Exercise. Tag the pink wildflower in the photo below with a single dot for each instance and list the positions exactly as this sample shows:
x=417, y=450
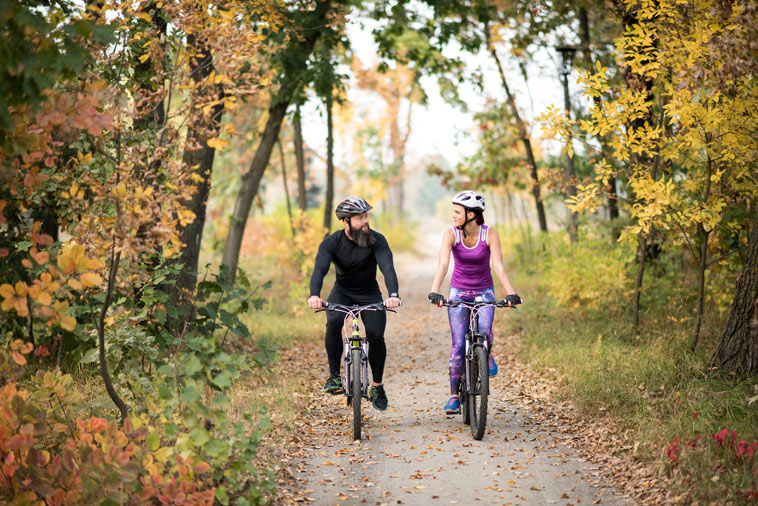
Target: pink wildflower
x=720, y=437
x=741, y=446
x=673, y=450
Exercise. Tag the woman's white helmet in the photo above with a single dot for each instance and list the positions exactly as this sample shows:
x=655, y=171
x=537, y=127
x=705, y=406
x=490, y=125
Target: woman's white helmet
x=470, y=200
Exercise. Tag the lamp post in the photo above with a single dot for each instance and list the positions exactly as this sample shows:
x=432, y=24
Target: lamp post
x=567, y=57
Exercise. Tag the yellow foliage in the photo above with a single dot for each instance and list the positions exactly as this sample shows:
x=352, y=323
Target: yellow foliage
x=589, y=273
x=217, y=143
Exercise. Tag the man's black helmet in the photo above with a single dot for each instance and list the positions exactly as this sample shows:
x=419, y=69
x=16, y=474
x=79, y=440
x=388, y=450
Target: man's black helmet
x=352, y=206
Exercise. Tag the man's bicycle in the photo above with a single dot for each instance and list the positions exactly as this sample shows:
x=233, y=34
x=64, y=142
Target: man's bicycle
x=474, y=388
x=355, y=355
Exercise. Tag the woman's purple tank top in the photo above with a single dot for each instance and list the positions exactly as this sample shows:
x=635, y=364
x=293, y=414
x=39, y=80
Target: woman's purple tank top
x=471, y=270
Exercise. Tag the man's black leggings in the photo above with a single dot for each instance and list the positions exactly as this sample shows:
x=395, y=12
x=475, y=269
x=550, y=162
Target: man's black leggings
x=373, y=322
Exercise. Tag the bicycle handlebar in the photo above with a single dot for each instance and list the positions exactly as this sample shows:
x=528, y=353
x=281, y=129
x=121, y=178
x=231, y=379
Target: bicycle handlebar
x=356, y=308
x=456, y=303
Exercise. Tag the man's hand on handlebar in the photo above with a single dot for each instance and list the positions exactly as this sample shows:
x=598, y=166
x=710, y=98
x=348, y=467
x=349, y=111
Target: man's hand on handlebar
x=315, y=302
x=393, y=302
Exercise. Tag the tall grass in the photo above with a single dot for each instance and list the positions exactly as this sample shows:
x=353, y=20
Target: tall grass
x=665, y=397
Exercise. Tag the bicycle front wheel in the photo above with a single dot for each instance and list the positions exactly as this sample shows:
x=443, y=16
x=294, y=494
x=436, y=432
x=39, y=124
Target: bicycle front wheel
x=356, y=391
x=463, y=397
x=480, y=387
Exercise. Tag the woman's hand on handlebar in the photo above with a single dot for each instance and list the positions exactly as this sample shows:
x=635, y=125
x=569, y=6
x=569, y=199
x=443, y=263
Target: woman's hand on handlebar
x=315, y=302
x=513, y=299
x=436, y=298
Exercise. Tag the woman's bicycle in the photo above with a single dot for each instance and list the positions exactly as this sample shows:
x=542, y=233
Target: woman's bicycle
x=355, y=356
x=474, y=388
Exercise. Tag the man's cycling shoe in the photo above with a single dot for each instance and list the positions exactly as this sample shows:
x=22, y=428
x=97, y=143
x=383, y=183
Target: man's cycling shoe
x=333, y=385
x=453, y=406
x=492, y=366
x=378, y=397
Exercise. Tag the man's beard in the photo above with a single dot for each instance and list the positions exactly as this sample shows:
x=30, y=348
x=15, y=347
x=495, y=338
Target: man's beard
x=363, y=237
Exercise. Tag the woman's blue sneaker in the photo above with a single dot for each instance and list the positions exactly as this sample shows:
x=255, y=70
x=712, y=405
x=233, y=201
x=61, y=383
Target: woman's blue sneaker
x=493, y=366
x=453, y=406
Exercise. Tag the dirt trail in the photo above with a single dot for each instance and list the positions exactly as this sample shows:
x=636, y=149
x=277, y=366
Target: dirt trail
x=413, y=454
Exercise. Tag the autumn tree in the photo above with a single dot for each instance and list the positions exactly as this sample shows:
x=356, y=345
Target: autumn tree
x=697, y=156
x=397, y=87
x=300, y=32
x=470, y=25
x=738, y=346
x=222, y=54
x=102, y=142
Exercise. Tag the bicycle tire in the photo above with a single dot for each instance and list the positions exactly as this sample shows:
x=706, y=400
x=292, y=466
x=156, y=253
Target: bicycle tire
x=479, y=392
x=356, y=391
x=463, y=397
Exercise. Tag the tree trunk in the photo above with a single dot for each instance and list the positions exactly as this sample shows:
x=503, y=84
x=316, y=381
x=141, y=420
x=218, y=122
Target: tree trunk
x=642, y=161
x=702, y=266
x=396, y=190
x=704, y=234
x=523, y=134
x=329, y=200
x=286, y=189
x=738, y=348
x=198, y=159
x=570, y=175
x=584, y=35
x=251, y=180
x=302, y=200
x=642, y=256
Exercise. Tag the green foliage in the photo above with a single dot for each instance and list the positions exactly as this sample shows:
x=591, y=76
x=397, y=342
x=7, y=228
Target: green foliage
x=400, y=238
x=193, y=384
x=648, y=382
x=591, y=273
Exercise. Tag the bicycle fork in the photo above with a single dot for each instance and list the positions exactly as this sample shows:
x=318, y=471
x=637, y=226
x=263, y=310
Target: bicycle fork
x=478, y=340
x=355, y=342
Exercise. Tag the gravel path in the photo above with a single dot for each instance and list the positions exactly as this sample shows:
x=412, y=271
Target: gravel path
x=413, y=454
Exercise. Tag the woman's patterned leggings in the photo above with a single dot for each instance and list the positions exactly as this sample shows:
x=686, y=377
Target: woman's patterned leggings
x=459, y=317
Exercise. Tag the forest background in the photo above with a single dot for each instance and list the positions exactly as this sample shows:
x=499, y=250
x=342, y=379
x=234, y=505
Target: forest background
x=160, y=211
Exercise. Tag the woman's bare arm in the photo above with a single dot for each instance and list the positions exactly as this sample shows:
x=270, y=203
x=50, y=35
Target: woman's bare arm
x=443, y=259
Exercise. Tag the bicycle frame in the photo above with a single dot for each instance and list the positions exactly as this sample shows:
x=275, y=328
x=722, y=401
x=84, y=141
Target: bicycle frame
x=355, y=348
x=353, y=342
x=474, y=339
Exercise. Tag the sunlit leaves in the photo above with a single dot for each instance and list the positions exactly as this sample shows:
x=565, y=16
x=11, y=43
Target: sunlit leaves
x=683, y=144
x=18, y=349
x=14, y=297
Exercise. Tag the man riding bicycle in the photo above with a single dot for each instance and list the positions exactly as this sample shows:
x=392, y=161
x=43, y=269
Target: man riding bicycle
x=355, y=252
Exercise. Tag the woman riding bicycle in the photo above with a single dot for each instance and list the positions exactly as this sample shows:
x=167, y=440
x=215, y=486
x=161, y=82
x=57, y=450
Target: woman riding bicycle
x=472, y=244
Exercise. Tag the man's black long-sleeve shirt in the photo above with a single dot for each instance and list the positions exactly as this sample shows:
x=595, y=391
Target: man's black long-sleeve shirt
x=355, y=266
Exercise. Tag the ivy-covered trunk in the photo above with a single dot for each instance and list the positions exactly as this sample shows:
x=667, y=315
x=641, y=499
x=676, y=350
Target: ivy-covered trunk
x=198, y=159
x=738, y=347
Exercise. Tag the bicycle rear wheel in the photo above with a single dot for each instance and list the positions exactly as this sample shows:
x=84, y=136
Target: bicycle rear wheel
x=356, y=391
x=480, y=386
